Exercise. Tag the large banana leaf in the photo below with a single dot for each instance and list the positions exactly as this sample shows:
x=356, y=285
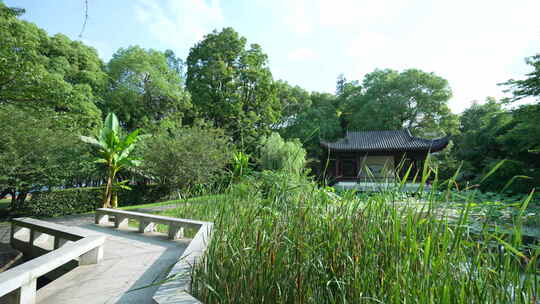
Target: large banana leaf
x=111, y=123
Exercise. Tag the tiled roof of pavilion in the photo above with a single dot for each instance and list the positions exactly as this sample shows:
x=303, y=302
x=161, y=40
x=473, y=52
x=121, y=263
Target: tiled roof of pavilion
x=398, y=140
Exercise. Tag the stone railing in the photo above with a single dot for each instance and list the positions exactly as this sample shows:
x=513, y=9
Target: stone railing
x=177, y=288
x=18, y=285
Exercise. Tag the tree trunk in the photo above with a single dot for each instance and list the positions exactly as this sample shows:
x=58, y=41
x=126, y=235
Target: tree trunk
x=114, y=201
x=17, y=201
x=107, y=193
x=13, y=203
x=21, y=198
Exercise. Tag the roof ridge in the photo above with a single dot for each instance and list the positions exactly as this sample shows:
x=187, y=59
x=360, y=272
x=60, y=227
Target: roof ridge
x=375, y=140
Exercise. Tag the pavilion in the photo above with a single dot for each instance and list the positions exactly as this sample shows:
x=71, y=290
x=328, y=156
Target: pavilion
x=376, y=155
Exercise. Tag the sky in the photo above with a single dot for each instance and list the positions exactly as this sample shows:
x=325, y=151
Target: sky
x=474, y=44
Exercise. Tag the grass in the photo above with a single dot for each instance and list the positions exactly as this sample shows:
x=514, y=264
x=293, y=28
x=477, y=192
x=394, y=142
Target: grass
x=4, y=203
x=283, y=240
x=151, y=205
x=172, y=202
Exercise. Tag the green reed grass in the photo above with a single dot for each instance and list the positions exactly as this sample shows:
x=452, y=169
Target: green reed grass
x=279, y=239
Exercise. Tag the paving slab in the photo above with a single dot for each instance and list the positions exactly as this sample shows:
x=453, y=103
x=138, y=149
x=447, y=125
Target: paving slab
x=131, y=261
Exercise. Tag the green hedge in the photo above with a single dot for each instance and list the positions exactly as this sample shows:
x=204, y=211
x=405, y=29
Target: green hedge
x=81, y=200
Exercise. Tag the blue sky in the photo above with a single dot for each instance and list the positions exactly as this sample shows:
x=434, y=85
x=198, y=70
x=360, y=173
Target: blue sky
x=474, y=44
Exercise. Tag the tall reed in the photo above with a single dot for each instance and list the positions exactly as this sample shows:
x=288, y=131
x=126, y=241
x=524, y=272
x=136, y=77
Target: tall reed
x=281, y=239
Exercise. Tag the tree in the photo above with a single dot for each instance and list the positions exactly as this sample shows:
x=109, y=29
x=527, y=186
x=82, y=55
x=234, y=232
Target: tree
x=44, y=72
x=145, y=87
x=187, y=157
x=293, y=99
x=115, y=152
x=530, y=86
x=489, y=135
x=319, y=121
x=232, y=86
x=36, y=152
x=390, y=100
x=476, y=145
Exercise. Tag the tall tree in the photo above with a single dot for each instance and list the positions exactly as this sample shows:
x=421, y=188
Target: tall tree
x=145, y=87
x=40, y=71
x=389, y=99
x=232, y=86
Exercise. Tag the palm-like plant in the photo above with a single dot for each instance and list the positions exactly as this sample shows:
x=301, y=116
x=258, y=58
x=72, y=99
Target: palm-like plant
x=114, y=151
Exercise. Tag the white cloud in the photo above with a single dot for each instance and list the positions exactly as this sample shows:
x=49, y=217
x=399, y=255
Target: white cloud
x=297, y=17
x=473, y=47
x=356, y=13
x=303, y=54
x=179, y=23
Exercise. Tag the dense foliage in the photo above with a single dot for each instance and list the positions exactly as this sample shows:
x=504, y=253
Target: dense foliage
x=87, y=199
x=52, y=72
x=277, y=154
x=232, y=86
x=46, y=156
x=492, y=134
x=64, y=202
x=144, y=88
x=188, y=157
x=391, y=100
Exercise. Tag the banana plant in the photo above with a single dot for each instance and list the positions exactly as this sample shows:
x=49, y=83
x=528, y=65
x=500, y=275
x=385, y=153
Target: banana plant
x=114, y=152
x=240, y=166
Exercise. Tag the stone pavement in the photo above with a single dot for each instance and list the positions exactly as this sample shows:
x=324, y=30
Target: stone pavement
x=131, y=261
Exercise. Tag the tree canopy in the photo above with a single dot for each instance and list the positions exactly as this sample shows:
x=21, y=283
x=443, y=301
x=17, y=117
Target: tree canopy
x=392, y=100
x=49, y=72
x=145, y=87
x=36, y=151
x=232, y=86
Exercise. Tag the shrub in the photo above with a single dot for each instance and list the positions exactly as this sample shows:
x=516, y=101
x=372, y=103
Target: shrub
x=142, y=194
x=80, y=200
x=64, y=202
x=187, y=158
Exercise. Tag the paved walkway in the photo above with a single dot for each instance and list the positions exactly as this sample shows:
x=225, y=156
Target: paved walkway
x=131, y=261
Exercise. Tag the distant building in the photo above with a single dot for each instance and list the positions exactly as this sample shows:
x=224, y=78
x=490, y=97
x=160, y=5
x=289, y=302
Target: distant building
x=376, y=155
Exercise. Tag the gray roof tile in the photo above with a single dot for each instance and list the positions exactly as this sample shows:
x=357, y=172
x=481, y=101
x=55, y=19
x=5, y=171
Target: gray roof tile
x=399, y=140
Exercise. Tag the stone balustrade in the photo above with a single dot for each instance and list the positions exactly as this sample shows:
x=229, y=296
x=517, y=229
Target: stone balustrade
x=18, y=285
x=177, y=288
x=146, y=221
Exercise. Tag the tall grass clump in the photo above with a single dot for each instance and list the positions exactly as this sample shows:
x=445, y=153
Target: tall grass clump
x=278, y=238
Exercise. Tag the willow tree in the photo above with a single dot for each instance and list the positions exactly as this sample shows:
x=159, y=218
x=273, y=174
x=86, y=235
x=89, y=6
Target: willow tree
x=114, y=152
